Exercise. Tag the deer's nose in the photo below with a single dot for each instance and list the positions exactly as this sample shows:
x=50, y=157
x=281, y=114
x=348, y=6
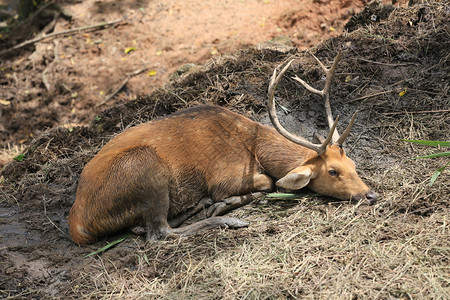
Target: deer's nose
x=371, y=197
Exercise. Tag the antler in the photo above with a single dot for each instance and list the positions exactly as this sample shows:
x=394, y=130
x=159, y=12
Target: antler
x=325, y=94
x=333, y=134
x=319, y=148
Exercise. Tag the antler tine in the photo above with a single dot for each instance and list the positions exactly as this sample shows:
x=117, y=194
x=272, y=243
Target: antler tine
x=325, y=92
x=275, y=79
x=345, y=134
x=308, y=87
x=325, y=69
x=324, y=145
x=329, y=73
x=273, y=114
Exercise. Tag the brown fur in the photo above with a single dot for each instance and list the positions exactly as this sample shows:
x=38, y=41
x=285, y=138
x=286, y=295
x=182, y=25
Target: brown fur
x=154, y=171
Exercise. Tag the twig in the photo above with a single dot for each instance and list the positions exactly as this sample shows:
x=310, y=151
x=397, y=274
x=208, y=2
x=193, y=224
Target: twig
x=35, y=40
x=178, y=96
x=381, y=63
x=416, y=112
x=364, y=84
x=124, y=82
x=370, y=96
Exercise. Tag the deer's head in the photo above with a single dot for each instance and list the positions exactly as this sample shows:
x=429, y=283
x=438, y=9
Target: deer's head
x=328, y=171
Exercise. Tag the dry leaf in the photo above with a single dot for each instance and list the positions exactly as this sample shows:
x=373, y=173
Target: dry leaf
x=129, y=49
x=5, y=102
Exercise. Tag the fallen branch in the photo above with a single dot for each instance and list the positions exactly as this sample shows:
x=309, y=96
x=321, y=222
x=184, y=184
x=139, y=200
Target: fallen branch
x=79, y=29
x=124, y=82
x=417, y=112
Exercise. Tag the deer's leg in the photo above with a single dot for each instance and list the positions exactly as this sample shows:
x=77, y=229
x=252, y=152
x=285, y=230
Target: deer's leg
x=257, y=183
x=222, y=207
x=155, y=209
x=202, y=205
x=158, y=228
x=209, y=223
x=251, y=183
x=216, y=209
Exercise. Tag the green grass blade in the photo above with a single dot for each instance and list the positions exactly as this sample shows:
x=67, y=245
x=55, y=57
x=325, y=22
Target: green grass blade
x=434, y=155
x=437, y=173
x=119, y=240
x=282, y=195
x=430, y=143
x=19, y=157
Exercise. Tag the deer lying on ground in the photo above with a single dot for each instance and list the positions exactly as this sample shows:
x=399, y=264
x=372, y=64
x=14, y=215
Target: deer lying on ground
x=160, y=173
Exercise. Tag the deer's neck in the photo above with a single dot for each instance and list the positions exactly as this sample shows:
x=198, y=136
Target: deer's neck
x=276, y=154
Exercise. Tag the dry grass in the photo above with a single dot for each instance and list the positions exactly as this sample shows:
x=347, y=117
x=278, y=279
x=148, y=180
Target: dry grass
x=321, y=251
x=308, y=248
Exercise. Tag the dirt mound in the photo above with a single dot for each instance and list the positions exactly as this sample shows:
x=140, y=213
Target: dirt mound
x=395, y=72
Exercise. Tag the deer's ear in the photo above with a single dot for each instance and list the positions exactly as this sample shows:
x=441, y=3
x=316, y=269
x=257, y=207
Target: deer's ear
x=296, y=179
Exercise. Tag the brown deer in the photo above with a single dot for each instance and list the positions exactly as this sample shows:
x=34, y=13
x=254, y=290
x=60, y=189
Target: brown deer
x=160, y=173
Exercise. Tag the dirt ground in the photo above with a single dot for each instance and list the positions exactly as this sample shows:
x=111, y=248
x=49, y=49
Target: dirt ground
x=395, y=71
x=69, y=79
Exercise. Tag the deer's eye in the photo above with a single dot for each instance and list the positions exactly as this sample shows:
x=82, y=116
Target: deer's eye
x=333, y=173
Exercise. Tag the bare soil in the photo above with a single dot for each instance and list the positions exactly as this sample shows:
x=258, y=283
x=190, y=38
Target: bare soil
x=395, y=71
x=70, y=79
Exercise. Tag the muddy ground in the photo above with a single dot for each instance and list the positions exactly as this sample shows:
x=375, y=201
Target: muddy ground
x=394, y=71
